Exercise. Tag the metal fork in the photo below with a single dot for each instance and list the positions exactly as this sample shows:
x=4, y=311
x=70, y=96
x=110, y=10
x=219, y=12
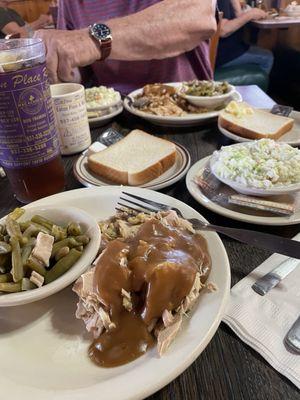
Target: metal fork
x=274, y=243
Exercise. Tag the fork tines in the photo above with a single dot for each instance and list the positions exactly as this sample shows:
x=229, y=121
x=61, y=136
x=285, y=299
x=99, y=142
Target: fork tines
x=141, y=206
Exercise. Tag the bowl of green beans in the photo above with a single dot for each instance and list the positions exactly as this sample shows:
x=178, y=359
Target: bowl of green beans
x=207, y=94
x=43, y=250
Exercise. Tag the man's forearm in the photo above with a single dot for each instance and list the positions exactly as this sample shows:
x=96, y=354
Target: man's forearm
x=165, y=29
x=230, y=26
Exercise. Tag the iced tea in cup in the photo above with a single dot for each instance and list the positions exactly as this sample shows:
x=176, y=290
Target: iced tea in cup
x=29, y=147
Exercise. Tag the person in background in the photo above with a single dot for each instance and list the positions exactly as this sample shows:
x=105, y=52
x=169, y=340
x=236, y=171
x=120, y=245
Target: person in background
x=152, y=41
x=11, y=23
x=232, y=50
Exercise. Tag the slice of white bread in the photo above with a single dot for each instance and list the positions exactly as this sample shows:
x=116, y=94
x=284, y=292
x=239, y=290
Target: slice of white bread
x=251, y=123
x=134, y=160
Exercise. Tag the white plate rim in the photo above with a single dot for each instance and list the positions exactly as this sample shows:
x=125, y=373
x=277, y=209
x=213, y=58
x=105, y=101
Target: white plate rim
x=187, y=359
x=196, y=193
x=177, y=176
x=166, y=119
x=105, y=117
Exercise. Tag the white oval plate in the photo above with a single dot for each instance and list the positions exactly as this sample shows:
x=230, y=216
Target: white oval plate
x=105, y=119
x=198, y=195
x=186, y=120
x=248, y=190
x=43, y=347
x=292, y=137
x=59, y=215
x=174, y=174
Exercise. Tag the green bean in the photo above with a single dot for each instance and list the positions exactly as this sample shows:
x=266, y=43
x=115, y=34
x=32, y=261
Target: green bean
x=25, y=253
x=35, y=265
x=10, y=287
x=30, y=231
x=5, y=278
x=16, y=260
x=69, y=242
x=74, y=229
x=32, y=228
x=41, y=228
x=59, y=245
x=24, y=225
x=62, y=253
x=2, y=230
x=5, y=248
x=79, y=248
x=62, y=266
x=58, y=232
x=5, y=261
x=26, y=284
x=16, y=213
x=13, y=228
x=6, y=238
x=46, y=223
x=83, y=239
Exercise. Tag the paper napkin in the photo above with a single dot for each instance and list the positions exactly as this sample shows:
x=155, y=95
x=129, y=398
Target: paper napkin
x=263, y=321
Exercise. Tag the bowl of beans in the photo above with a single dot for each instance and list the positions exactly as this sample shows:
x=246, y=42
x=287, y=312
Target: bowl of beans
x=43, y=250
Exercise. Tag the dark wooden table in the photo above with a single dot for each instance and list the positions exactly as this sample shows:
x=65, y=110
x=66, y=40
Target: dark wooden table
x=227, y=369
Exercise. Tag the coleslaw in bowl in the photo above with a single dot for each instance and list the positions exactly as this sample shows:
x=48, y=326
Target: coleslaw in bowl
x=261, y=168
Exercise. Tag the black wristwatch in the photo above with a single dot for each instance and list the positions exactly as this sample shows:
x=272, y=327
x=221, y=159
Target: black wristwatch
x=102, y=35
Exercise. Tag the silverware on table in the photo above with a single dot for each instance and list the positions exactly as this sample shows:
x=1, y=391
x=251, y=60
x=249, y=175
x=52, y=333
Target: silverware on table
x=281, y=110
x=271, y=279
x=210, y=187
x=292, y=338
x=106, y=138
x=274, y=243
x=109, y=137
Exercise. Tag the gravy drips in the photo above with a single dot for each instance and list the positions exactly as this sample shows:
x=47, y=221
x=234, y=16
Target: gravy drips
x=158, y=267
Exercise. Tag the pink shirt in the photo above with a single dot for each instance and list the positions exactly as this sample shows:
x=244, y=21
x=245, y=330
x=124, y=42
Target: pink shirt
x=126, y=76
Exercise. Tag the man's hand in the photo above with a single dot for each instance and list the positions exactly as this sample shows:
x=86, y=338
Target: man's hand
x=257, y=14
x=67, y=50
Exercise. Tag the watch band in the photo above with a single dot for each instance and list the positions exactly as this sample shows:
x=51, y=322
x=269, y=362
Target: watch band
x=105, y=47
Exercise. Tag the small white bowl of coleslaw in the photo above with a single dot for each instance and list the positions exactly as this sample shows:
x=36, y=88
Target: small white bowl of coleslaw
x=101, y=98
x=259, y=168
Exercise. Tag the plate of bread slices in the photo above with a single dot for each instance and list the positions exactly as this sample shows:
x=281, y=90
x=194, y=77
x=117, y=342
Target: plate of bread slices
x=243, y=123
x=139, y=159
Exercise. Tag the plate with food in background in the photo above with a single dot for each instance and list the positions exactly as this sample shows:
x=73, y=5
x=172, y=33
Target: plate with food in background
x=243, y=123
x=47, y=333
x=140, y=159
x=102, y=104
x=166, y=105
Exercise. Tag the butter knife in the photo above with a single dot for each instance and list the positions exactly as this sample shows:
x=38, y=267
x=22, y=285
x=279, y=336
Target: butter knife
x=270, y=280
x=292, y=338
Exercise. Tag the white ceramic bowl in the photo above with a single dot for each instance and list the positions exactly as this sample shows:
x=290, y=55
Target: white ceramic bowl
x=60, y=215
x=249, y=190
x=210, y=101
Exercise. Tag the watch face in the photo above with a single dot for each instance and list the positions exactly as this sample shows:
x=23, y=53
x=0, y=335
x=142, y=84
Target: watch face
x=101, y=31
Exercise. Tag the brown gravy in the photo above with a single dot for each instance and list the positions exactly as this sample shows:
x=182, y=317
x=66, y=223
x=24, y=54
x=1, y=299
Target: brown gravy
x=158, y=267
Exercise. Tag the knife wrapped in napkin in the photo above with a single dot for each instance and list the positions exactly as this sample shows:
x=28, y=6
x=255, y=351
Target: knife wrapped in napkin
x=148, y=276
